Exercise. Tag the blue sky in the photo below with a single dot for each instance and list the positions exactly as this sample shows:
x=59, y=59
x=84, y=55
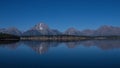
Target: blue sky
x=59, y=14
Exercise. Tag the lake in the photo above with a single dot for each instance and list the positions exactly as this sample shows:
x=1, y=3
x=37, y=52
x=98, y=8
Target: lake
x=85, y=54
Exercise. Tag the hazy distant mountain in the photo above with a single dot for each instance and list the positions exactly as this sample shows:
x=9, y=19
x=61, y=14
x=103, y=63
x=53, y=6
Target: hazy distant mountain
x=55, y=32
x=72, y=31
x=107, y=30
x=102, y=31
x=11, y=30
x=41, y=29
x=88, y=32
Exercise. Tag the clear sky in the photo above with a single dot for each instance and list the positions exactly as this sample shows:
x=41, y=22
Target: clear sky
x=59, y=14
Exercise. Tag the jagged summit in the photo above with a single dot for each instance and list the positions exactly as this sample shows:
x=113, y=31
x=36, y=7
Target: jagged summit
x=40, y=26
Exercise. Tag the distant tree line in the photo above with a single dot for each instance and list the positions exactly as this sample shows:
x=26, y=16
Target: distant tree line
x=4, y=36
x=56, y=37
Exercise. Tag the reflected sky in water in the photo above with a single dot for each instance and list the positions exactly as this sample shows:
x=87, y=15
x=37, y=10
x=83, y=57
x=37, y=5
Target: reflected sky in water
x=36, y=54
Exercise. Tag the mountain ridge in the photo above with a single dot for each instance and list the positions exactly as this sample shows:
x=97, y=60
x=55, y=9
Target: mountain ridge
x=44, y=29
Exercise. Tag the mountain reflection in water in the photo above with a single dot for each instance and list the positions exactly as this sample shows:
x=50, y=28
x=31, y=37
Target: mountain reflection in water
x=43, y=47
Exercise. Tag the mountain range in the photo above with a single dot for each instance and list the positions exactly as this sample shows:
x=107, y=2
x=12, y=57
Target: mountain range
x=44, y=29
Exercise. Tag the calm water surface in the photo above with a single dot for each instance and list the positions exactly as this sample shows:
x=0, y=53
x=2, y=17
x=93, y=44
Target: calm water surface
x=85, y=54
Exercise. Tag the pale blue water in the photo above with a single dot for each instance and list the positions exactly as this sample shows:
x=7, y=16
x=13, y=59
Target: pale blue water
x=85, y=54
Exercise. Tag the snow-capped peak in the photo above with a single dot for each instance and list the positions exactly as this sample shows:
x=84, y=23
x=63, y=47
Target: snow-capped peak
x=40, y=26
